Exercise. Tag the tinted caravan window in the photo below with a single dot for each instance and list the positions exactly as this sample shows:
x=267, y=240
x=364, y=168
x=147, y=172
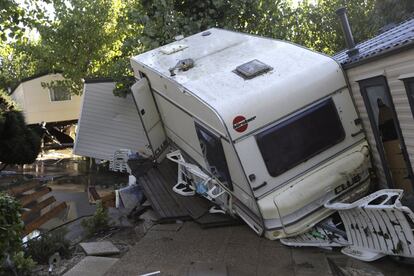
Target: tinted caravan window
x=409, y=87
x=299, y=138
x=214, y=155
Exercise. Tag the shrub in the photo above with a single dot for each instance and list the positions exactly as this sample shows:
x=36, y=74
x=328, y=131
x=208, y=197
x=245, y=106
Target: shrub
x=40, y=249
x=99, y=221
x=18, y=143
x=11, y=250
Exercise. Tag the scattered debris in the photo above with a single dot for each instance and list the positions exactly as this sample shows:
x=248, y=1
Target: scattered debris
x=130, y=196
x=182, y=65
x=167, y=227
x=102, y=248
x=151, y=273
x=157, y=186
x=346, y=270
x=54, y=262
x=324, y=235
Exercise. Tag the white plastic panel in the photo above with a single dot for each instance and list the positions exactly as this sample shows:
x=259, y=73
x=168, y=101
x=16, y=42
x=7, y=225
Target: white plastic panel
x=150, y=117
x=108, y=123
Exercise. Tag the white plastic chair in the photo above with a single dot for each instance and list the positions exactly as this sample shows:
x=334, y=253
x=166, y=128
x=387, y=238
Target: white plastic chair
x=377, y=225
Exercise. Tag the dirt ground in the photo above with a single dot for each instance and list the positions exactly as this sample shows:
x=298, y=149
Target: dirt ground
x=240, y=251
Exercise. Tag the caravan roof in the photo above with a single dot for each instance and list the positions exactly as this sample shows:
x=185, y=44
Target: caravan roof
x=296, y=77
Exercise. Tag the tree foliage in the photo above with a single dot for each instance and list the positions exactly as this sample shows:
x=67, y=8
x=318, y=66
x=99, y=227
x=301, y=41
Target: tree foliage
x=10, y=17
x=316, y=26
x=86, y=38
x=18, y=143
x=393, y=11
x=12, y=258
x=83, y=39
x=165, y=19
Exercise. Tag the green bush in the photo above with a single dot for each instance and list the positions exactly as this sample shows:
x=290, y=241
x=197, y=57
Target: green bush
x=99, y=222
x=18, y=143
x=12, y=257
x=40, y=249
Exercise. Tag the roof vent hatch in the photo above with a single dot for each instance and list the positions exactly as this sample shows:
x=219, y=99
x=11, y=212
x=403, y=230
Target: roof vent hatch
x=252, y=69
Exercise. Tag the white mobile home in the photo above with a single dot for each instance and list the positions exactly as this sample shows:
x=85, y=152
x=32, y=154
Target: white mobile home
x=381, y=76
x=48, y=105
x=107, y=122
x=272, y=123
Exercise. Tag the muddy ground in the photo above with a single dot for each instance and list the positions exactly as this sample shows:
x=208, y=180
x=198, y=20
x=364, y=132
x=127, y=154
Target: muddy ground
x=178, y=251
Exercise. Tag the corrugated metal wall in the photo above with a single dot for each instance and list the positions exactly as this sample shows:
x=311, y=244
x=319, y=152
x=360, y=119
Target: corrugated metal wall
x=107, y=123
x=392, y=67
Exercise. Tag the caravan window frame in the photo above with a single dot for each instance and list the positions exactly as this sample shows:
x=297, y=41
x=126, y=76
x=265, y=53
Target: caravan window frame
x=409, y=89
x=382, y=81
x=202, y=132
x=267, y=138
x=59, y=89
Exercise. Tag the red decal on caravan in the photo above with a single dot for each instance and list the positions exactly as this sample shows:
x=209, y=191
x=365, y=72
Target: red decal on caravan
x=240, y=123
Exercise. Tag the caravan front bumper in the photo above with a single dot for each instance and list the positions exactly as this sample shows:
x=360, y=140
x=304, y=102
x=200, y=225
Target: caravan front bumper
x=298, y=206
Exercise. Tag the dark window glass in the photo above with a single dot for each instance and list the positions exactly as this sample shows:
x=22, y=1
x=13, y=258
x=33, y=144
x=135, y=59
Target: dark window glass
x=214, y=155
x=409, y=87
x=299, y=138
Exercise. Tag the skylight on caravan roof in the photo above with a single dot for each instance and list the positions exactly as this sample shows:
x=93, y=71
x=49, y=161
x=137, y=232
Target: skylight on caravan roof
x=252, y=69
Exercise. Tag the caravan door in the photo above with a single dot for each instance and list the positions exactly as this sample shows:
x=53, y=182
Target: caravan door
x=149, y=116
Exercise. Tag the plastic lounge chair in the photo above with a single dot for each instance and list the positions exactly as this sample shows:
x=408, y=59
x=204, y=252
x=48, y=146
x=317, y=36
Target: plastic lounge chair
x=191, y=179
x=119, y=161
x=377, y=225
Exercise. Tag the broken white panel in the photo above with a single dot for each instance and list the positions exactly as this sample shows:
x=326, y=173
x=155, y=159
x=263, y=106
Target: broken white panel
x=377, y=225
x=108, y=123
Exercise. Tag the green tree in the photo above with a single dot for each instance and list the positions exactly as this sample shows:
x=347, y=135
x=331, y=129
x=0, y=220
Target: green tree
x=11, y=15
x=18, y=143
x=82, y=39
x=88, y=38
x=165, y=19
x=19, y=60
x=393, y=11
x=316, y=26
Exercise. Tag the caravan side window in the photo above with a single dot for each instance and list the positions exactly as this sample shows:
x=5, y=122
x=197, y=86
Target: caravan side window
x=409, y=87
x=59, y=93
x=301, y=137
x=214, y=155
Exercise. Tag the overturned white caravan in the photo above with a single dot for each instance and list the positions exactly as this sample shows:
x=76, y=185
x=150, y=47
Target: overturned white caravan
x=272, y=123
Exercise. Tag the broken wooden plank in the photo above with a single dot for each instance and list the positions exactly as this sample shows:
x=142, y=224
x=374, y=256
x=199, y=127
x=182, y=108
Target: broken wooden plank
x=108, y=200
x=93, y=194
x=38, y=207
x=35, y=224
x=15, y=191
x=26, y=199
